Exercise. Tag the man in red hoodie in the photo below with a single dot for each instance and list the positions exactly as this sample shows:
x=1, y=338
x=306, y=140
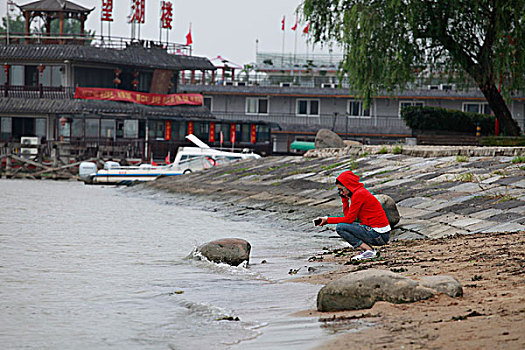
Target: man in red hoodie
x=373, y=228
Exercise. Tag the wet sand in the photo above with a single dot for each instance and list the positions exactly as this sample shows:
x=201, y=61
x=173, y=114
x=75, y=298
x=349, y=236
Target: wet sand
x=491, y=313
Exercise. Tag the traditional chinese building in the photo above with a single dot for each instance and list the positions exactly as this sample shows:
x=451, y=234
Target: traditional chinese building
x=112, y=96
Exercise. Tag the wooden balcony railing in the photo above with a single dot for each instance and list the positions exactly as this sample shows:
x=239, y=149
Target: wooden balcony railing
x=37, y=91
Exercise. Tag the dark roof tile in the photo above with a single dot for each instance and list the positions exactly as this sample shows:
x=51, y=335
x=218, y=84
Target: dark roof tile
x=53, y=5
x=155, y=58
x=76, y=106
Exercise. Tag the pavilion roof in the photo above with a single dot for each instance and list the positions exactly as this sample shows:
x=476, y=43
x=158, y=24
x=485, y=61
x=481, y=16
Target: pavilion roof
x=53, y=6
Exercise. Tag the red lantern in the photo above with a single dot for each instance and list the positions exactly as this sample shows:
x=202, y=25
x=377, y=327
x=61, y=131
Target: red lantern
x=6, y=68
x=41, y=68
x=135, y=84
x=116, y=81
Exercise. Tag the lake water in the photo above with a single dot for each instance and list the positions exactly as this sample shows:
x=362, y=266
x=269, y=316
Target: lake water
x=90, y=267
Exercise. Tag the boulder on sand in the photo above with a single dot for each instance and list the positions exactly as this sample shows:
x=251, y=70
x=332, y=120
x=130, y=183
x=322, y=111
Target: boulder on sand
x=231, y=251
x=328, y=139
x=443, y=284
x=390, y=208
x=361, y=289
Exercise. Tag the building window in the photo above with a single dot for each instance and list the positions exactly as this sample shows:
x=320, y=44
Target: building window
x=208, y=102
x=92, y=127
x=308, y=107
x=6, y=126
x=482, y=108
x=404, y=104
x=256, y=105
x=131, y=129
x=356, y=110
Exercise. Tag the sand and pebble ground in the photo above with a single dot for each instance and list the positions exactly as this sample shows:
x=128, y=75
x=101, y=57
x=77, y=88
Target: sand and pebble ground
x=462, y=215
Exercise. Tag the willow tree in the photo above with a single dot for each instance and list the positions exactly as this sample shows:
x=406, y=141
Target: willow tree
x=388, y=43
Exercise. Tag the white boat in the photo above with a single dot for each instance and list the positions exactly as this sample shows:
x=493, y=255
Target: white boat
x=187, y=160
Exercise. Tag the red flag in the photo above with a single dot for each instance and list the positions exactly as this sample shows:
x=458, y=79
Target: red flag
x=168, y=158
x=282, y=23
x=295, y=26
x=153, y=163
x=307, y=28
x=189, y=40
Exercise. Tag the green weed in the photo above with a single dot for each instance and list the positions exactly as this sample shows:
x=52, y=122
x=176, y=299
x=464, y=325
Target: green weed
x=466, y=177
x=383, y=150
x=397, y=149
x=518, y=159
x=462, y=159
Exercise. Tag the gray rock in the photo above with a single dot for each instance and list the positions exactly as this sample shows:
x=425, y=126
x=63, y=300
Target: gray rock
x=390, y=208
x=443, y=284
x=232, y=251
x=360, y=290
x=328, y=139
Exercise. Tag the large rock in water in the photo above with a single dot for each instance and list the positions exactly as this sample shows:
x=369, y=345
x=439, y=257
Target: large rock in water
x=328, y=139
x=390, y=208
x=231, y=251
x=360, y=290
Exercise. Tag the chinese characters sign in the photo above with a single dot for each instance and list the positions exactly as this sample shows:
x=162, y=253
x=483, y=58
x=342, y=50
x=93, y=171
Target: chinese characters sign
x=107, y=11
x=167, y=15
x=138, y=11
x=138, y=97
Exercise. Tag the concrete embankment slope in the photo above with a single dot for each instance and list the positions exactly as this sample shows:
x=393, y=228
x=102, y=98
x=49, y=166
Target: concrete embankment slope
x=439, y=191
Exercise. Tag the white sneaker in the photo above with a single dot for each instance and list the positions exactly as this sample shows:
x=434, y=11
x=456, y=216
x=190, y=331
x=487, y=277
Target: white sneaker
x=366, y=255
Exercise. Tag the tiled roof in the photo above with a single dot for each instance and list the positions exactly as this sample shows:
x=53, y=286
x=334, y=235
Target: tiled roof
x=131, y=56
x=76, y=106
x=53, y=5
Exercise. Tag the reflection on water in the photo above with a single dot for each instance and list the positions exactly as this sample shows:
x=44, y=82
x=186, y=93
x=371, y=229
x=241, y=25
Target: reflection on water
x=92, y=267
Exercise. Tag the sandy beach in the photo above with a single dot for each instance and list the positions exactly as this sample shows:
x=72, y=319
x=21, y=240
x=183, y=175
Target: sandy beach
x=490, y=314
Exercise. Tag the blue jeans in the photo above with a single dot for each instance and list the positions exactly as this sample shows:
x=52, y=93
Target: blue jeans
x=357, y=234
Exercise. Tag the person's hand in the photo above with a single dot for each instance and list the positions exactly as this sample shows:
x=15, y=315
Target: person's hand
x=323, y=220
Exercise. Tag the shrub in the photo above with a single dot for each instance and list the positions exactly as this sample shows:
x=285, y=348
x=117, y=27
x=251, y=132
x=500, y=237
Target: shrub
x=431, y=118
x=383, y=150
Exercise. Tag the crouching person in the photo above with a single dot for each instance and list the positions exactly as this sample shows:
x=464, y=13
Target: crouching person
x=373, y=228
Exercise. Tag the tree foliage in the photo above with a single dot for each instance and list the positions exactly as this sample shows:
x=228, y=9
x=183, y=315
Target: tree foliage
x=388, y=43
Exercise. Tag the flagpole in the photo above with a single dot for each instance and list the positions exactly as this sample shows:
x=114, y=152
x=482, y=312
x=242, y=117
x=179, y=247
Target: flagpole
x=7, y=22
x=284, y=31
x=295, y=46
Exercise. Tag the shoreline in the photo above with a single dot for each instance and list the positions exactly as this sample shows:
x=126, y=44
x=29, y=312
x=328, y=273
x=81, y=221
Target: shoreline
x=440, y=207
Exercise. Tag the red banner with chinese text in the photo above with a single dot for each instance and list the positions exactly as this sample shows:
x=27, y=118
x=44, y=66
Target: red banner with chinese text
x=142, y=98
x=253, y=133
x=190, y=128
x=211, y=139
x=138, y=11
x=107, y=11
x=167, y=134
x=167, y=15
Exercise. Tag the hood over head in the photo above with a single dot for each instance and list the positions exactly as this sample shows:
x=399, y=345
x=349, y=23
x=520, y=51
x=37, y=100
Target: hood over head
x=350, y=180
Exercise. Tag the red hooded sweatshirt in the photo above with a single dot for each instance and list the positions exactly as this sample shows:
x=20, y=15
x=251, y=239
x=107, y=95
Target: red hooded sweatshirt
x=364, y=205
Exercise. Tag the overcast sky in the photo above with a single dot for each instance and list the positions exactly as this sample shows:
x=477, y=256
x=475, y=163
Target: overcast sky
x=228, y=28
